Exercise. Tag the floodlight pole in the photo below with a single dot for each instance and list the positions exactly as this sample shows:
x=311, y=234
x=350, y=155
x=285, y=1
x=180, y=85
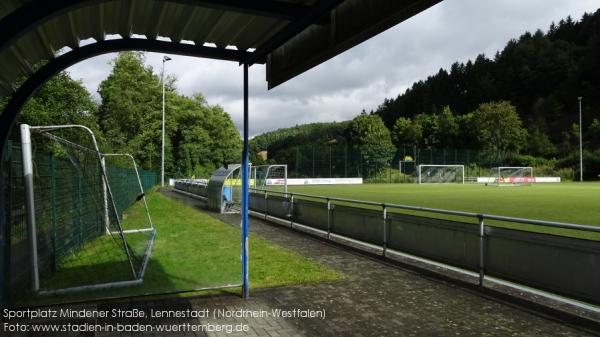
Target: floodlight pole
x=162, y=148
x=245, y=193
x=580, y=142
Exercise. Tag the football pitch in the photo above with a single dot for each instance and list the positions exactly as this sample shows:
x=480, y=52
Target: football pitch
x=564, y=202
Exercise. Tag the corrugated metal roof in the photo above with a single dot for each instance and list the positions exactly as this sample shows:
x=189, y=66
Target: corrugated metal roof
x=176, y=20
x=292, y=35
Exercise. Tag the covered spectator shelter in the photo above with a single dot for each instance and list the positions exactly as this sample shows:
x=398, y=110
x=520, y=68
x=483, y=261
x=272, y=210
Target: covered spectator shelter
x=219, y=192
x=39, y=38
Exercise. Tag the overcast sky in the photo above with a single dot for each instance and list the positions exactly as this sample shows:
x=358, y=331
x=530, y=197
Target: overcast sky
x=360, y=78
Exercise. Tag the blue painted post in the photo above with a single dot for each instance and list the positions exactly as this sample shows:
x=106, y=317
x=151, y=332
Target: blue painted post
x=245, y=193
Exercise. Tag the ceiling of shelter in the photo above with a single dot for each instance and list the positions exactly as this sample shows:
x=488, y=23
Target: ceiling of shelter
x=291, y=36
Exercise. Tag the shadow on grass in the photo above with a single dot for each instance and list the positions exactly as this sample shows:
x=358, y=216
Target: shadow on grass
x=192, y=250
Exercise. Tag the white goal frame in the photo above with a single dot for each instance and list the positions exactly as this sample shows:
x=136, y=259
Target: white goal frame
x=253, y=179
x=500, y=181
x=419, y=167
x=142, y=194
x=27, y=158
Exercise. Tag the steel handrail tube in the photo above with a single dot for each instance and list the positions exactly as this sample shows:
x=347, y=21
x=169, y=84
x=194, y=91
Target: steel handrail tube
x=476, y=216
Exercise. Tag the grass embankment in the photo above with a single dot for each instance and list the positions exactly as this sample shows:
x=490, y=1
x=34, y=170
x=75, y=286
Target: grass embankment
x=191, y=250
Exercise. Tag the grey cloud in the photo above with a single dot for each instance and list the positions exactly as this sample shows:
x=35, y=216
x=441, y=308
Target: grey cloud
x=454, y=30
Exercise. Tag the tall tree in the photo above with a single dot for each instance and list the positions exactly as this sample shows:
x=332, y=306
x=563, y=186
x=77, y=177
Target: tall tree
x=370, y=135
x=430, y=126
x=449, y=129
x=204, y=137
x=62, y=100
x=199, y=137
x=406, y=132
x=499, y=128
x=131, y=103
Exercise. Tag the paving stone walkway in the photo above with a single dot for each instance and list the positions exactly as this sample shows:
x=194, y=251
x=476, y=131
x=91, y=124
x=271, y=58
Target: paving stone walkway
x=374, y=299
x=379, y=299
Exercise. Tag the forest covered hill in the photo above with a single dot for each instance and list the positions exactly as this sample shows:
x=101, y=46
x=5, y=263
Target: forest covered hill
x=526, y=94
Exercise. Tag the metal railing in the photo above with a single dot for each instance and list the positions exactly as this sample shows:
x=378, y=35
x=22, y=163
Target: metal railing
x=437, y=210
x=490, y=248
x=564, y=266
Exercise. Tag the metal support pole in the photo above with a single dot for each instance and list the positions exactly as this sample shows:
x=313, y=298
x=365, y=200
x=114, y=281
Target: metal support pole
x=291, y=211
x=30, y=203
x=385, y=229
x=162, y=148
x=285, y=173
x=580, y=142
x=266, y=204
x=481, y=250
x=245, y=193
x=53, y=208
x=499, y=176
x=328, y=219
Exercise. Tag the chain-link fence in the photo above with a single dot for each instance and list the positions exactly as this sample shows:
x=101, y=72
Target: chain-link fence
x=61, y=194
x=343, y=160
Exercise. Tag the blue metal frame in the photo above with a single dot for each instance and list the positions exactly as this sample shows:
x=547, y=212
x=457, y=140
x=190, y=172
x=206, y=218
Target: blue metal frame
x=245, y=193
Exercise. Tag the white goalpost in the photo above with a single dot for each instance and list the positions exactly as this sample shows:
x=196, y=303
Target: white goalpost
x=441, y=174
x=134, y=182
x=75, y=199
x=511, y=176
x=265, y=176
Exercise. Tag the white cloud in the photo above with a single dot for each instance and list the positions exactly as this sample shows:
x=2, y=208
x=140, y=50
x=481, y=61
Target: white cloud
x=454, y=30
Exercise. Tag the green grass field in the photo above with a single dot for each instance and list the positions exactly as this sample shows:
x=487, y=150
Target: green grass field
x=191, y=250
x=565, y=202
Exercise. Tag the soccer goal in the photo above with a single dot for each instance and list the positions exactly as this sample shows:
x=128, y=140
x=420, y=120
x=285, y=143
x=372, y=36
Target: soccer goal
x=269, y=176
x=78, y=239
x=511, y=176
x=441, y=174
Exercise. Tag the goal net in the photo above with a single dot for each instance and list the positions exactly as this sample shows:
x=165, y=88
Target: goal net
x=441, y=174
x=269, y=177
x=511, y=176
x=75, y=199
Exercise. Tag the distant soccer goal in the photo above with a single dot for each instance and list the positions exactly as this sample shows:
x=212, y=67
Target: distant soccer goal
x=441, y=174
x=269, y=176
x=511, y=176
x=76, y=197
